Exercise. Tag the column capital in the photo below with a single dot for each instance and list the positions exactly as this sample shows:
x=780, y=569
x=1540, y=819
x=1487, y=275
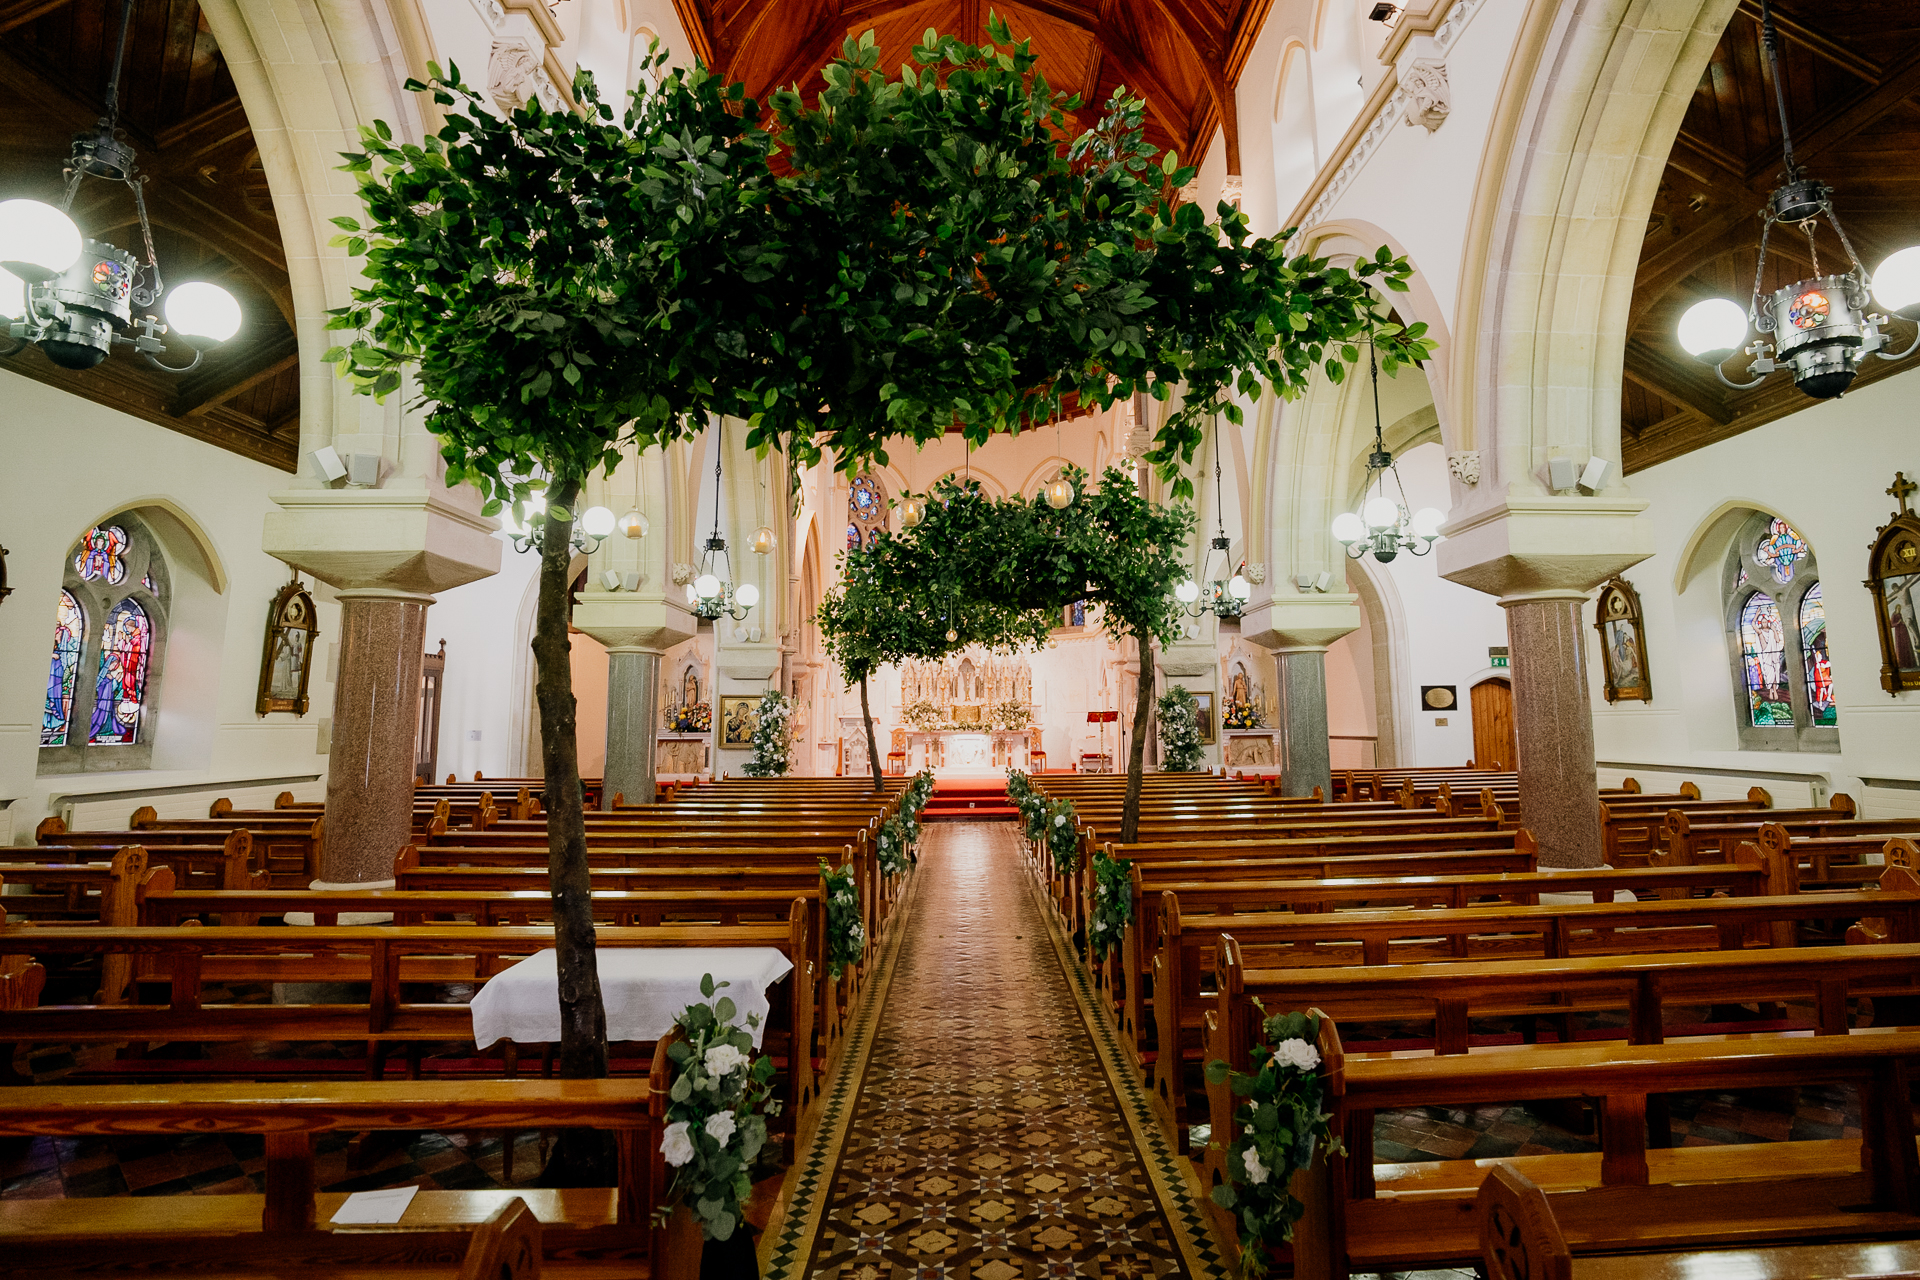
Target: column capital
x=1301, y=623
x=1544, y=548
x=633, y=622
x=417, y=540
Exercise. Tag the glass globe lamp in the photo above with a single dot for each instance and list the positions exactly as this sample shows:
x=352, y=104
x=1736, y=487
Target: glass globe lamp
x=952, y=635
x=912, y=512
x=1348, y=527
x=706, y=586
x=1239, y=588
x=747, y=594
x=634, y=525
x=1711, y=331
x=763, y=541
x=1896, y=285
x=1060, y=494
x=596, y=522
x=1426, y=523
x=204, y=314
x=1380, y=513
x=37, y=241
x=1187, y=592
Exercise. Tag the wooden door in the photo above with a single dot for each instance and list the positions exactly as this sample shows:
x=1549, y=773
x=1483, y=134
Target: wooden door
x=427, y=740
x=1493, y=739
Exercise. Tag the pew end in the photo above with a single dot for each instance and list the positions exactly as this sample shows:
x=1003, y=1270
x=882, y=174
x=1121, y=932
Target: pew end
x=1519, y=1236
x=506, y=1246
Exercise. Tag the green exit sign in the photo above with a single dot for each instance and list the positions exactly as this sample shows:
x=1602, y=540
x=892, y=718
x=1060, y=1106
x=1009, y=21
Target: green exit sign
x=1497, y=657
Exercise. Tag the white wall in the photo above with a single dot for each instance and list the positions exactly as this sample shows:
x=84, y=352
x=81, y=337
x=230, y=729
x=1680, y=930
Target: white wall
x=1824, y=470
x=71, y=462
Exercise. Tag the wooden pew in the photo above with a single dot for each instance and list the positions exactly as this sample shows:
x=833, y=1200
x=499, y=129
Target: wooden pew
x=1398, y=1217
x=1704, y=834
x=1633, y=827
x=1520, y=1239
x=505, y=1246
x=286, y=848
x=613, y=1223
x=385, y=958
x=199, y=866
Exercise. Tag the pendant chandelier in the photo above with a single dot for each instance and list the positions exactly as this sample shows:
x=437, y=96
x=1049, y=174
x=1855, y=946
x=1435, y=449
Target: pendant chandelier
x=75, y=297
x=1382, y=525
x=1223, y=598
x=712, y=593
x=1819, y=327
x=528, y=529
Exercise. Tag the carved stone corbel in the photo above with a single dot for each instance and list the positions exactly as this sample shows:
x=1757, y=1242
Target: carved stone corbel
x=1429, y=98
x=1465, y=466
x=510, y=74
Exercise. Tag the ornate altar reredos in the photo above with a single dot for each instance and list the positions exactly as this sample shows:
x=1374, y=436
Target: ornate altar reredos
x=966, y=689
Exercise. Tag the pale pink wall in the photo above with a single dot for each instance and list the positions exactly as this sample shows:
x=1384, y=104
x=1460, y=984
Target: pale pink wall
x=589, y=658
x=1350, y=708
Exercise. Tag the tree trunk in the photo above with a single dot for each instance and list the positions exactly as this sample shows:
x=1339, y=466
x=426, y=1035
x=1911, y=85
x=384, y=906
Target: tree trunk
x=873, y=747
x=1137, y=757
x=583, y=1018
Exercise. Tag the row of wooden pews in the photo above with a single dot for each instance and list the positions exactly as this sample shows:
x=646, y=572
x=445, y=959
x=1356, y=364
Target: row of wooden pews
x=1744, y=947
x=160, y=973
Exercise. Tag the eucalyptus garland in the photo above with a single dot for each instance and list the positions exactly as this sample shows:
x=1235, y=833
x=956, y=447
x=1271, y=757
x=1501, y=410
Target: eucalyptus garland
x=716, y=1112
x=1179, y=719
x=1063, y=836
x=1112, y=904
x=772, y=736
x=1275, y=1134
x=894, y=842
x=846, y=936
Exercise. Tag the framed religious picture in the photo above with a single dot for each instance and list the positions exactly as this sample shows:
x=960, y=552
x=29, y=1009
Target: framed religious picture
x=1893, y=575
x=1205, y=704
x=1623, y=643
x=738, y=719
x=287, y=661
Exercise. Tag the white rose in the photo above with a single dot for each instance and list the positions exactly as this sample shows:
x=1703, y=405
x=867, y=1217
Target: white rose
x=1256, y=1172
x=675, y=1145
x=720, y=1127
x=1060, y=820
x=1297, y=1053
x=724, y=1059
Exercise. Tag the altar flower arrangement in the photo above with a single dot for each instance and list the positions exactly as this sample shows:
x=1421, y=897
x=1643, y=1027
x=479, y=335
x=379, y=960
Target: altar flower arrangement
x=1275, y=1134
x=922, y=715
x=695, y=717
x=716, y=1113
x=1112, y=904
x=1179, y=719
x=846, y=935
x=1011, y=715
x=772, y=736
x=1241, y=714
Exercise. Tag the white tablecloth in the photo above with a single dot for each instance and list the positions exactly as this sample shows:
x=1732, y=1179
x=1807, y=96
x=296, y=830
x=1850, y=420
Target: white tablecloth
x=643, y=989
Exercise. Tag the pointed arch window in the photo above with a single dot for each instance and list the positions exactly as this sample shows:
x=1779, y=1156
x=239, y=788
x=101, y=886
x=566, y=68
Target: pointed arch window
x=1777, y=620
x=69, y=636
x=867, y=512
x=119, y=697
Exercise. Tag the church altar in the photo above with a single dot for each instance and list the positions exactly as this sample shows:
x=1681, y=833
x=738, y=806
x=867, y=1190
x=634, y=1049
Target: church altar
x=964, y=749
x=970, y=711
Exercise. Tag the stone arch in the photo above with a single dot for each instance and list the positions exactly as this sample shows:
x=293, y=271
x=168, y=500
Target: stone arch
x=1706, y=546
x=185, y=539
x=1588, y=113
x=1296, y=147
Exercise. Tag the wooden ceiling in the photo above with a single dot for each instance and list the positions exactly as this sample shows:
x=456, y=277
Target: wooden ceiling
x=1182, y=56
x=206, y=196
x=1851, y=71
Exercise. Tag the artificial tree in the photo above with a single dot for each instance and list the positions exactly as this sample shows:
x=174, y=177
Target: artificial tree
x=558, y=284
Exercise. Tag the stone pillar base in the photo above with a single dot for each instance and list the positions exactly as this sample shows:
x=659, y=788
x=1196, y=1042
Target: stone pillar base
x=376, y=712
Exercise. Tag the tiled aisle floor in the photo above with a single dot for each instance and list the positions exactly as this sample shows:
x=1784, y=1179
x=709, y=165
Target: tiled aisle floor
x=985, y=1142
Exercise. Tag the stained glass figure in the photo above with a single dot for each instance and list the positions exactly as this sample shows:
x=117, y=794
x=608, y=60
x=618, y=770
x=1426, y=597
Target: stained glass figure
x=1077, y=614
x=126, y=642
x=1781, y=549
x=1763, y=645
x=102, y=555
x=69, y=628
x=1813, y=650
x=853, y=537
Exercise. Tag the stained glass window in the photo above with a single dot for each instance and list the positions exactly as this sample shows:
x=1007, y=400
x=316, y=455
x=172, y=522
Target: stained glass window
x=1813, y=650
x=866, y=512
x=1763, y=646
x=1780, y=549
x=103, y=555
x=146, y=580
x=126, y=642
x=69, y=627
x=853, y=537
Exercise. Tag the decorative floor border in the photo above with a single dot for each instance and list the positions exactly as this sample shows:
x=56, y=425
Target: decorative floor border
x=786, y=1246
x=1174, y=1181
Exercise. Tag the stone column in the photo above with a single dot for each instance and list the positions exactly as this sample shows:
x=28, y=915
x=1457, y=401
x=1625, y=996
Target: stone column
x=376, y=719
x=633, y=714
x=1306, y=758
x=1553, y=727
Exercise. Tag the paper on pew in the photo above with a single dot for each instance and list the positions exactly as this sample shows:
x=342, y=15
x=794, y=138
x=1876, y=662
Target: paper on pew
x=365, y=1208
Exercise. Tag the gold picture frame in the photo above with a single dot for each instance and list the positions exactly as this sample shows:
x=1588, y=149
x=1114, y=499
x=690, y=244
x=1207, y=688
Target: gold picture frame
x=739, y=717
x=1623, y=642
x=1204, y=713
x=286, y=663
x=1893, y=576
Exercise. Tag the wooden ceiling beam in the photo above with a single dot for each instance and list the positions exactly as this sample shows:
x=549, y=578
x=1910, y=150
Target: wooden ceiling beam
x=18, y=13
x=237, y=372
x=1650, y=367
x=1832, y=50
x=1161, y=102
x=1902, y=81
x=693, y=15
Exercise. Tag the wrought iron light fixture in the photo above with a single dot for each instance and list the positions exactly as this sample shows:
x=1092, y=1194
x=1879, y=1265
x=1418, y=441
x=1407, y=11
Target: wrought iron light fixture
x=1382, y=525
x=1223, y=598
x=528, y=530
x=75, y=297
x=1819, y=327
x=712, y=594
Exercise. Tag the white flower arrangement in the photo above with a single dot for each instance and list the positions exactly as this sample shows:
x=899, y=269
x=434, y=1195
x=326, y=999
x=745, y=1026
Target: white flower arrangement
x=772, y=736
x=716, y=1112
